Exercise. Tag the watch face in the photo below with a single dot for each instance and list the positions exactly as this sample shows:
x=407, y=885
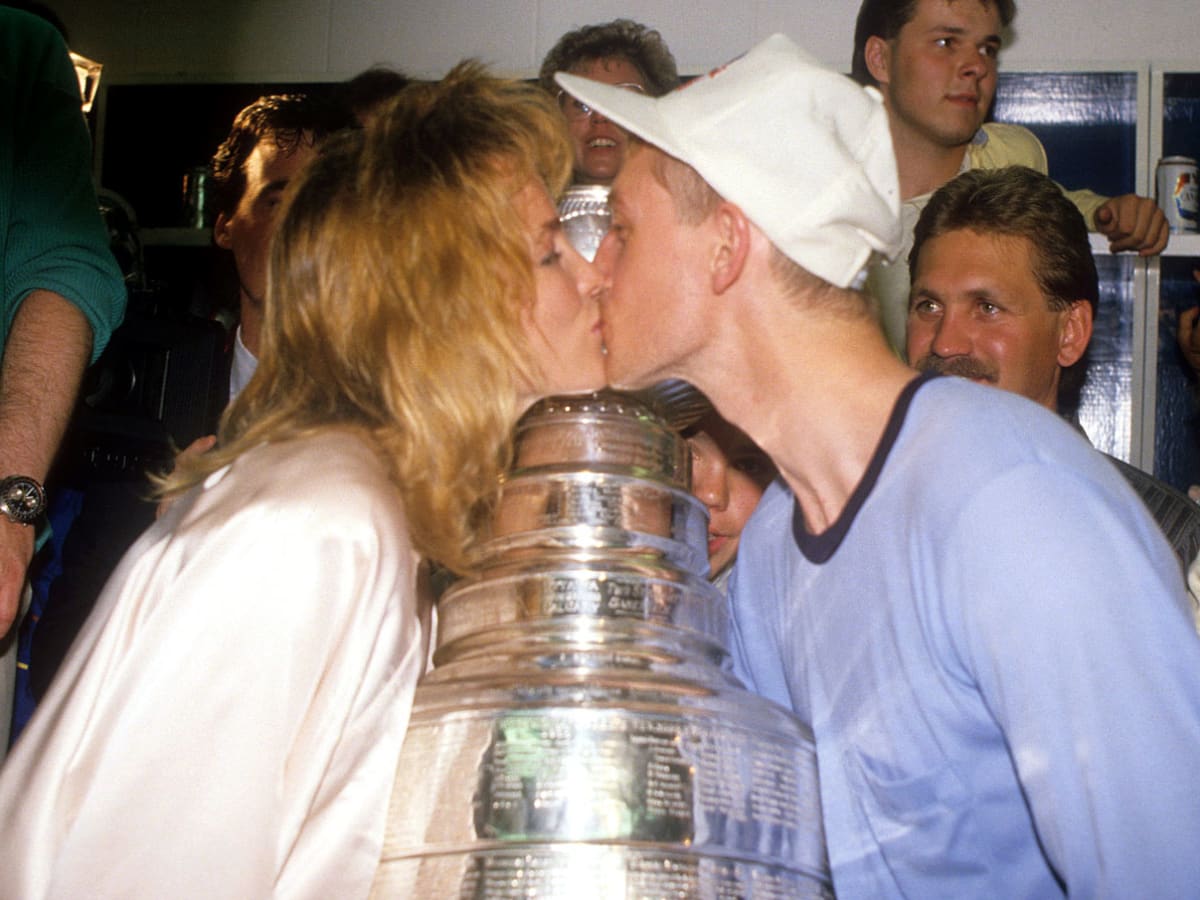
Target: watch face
x=22, y=499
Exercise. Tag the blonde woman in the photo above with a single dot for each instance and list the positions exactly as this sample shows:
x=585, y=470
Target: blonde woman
x=228, y=721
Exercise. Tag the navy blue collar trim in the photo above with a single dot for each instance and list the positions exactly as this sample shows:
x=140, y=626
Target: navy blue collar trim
x=819, y=548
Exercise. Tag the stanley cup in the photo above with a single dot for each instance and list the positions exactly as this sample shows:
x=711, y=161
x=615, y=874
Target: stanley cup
x=580, y=735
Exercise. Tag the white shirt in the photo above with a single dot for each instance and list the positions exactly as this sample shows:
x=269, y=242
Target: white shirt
x=242, y=367
x=228, y=722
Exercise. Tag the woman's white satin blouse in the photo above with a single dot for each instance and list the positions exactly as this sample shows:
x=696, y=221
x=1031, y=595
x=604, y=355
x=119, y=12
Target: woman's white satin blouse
x=228, y=722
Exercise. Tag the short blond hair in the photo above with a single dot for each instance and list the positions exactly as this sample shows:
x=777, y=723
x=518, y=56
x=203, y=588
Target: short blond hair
x=395, y=287
x=695, y=200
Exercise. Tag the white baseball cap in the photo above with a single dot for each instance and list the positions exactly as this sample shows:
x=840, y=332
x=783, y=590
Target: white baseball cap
x=803, y=150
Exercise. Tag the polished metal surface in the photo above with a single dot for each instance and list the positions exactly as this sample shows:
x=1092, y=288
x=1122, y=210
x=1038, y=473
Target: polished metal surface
x=676, y=401
x=594, y=589
x=597, y=511
x=604, y=431
x=580, y=734
x=585, y=215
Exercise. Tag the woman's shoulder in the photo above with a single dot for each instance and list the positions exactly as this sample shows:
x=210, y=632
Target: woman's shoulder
x=333, y=477
x=325, y=452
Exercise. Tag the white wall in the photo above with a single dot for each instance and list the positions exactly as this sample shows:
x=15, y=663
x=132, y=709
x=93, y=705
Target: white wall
x=243, y=40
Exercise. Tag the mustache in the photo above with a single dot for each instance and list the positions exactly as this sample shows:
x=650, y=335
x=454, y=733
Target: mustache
x=962, y=366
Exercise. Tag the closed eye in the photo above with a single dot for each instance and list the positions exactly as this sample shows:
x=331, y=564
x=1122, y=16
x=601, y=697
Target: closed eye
x=752, y=465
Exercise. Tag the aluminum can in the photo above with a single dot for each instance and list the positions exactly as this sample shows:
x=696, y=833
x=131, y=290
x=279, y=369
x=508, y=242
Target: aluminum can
x=1177, y=192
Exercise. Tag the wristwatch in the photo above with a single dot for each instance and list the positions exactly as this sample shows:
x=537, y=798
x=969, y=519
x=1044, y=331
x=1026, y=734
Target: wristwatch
x=22, y=499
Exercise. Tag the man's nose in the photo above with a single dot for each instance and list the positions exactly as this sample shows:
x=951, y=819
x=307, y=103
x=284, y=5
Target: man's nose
x=951, y=336
x=972, y=63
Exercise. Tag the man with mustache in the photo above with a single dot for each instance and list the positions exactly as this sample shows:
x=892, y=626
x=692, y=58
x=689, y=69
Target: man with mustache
x=935, y=62
x=1004, y=287
x=1004, y=292
x=979, y=619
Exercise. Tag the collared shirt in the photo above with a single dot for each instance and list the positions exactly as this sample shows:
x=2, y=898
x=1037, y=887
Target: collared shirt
x=243, y=365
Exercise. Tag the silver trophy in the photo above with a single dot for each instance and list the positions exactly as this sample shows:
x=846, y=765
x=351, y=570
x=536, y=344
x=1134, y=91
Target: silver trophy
x=586, y=216
x=580, y=735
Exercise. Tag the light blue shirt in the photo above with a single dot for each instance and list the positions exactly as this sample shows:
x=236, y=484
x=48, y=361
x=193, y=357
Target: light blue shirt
x=993, y=648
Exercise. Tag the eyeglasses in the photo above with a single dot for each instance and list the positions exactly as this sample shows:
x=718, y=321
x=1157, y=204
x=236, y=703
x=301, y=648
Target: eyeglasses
x=575, y=110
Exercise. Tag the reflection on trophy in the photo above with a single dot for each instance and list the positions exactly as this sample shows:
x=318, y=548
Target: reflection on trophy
x=585, y=216
x=580, y=735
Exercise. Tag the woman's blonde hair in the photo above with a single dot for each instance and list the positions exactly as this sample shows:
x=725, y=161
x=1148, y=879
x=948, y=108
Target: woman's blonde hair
x=396, y=283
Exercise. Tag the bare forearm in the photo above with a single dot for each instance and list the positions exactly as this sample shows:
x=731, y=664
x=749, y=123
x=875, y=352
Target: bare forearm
x=44, y=360
x=47, y=350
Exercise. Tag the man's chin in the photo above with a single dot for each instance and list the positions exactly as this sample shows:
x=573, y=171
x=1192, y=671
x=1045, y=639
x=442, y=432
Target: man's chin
x=630, y=382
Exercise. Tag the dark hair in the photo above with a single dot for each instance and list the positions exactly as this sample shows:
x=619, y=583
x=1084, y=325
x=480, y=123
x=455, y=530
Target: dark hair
x=285, y=119
x=399, y=272
x=643, y=47
x=367, y=90
x=1018, y=202
x=885, y=18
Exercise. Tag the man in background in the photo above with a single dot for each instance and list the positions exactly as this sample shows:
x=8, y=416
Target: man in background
x=63, y=292
x=270, y=141
x=621, y=52
x=935, y=62
x=1005, y=293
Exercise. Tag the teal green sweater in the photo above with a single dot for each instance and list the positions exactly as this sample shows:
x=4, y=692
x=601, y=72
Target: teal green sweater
x=51, y=234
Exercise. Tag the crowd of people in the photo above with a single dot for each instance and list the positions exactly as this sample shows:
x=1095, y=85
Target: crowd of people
x=983, y=620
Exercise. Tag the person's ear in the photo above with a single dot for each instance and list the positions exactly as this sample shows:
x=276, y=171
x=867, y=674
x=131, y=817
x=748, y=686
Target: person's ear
x=1075, y=333
x=222, y=232
x=732, y=246
x=878, y=56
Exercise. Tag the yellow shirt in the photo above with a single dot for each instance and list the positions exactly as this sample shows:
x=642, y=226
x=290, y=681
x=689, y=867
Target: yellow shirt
x=995, y=146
